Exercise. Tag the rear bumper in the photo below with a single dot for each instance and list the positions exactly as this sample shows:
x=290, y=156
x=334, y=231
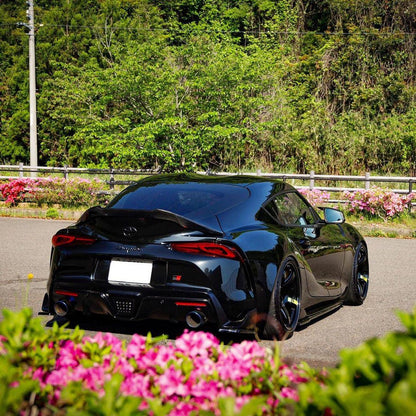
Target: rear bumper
x=169, y=304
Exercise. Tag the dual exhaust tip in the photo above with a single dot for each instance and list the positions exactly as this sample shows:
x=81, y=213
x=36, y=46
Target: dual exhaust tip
x=194, y=319
x=62, y=308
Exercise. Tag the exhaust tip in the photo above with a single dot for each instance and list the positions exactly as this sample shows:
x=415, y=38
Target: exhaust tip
x=195, y=319
x=62, y=308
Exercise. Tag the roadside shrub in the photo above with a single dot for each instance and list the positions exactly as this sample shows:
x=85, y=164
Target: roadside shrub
x=67, y=193
x=15, y=191
x=59, y=371
x=52, y=213
x=377, y=202
x=63, y=371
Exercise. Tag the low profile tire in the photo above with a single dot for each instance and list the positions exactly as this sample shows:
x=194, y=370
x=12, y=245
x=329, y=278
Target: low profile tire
x=358, y=288
x=284, y=309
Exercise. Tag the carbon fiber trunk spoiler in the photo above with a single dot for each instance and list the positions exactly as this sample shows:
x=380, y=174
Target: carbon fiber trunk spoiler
x=129, y=215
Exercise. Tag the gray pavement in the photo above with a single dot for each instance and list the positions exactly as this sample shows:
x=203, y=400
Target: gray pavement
x=25, y=248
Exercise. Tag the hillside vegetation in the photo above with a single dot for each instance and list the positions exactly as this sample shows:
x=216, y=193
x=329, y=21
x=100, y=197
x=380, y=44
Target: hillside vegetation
x=281, y=85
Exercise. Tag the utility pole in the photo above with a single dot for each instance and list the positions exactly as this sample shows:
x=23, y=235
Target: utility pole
x=32, y=89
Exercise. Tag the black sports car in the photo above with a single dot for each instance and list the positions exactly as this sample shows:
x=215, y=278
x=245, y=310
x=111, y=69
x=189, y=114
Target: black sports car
x=239, y=253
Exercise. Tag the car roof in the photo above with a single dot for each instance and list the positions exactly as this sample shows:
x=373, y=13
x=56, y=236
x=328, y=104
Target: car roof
x=248, y=181
x=242, y=210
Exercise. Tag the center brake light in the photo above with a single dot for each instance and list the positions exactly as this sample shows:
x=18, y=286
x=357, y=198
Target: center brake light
x=208, y=249
x=59, y=240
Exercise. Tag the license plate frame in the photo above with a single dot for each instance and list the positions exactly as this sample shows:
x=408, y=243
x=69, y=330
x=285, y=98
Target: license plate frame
x=130, y=272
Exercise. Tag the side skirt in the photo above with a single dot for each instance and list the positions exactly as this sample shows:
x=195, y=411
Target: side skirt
x=320, y=311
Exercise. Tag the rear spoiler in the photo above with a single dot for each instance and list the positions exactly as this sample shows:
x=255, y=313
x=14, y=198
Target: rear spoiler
x=159, y=214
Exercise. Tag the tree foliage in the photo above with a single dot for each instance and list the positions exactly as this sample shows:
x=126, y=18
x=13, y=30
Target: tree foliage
x=287, y=85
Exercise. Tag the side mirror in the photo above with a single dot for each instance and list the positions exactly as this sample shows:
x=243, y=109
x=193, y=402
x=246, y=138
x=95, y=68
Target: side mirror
x=333, y=216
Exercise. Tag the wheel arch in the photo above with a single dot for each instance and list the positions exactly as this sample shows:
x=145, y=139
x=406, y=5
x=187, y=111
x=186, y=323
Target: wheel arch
x=285, y=301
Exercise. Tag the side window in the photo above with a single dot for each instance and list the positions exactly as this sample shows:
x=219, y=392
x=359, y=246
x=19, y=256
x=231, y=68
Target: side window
x=290, y=209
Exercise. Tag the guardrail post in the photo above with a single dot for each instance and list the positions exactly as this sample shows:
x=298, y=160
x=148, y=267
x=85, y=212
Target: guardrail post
x=409, y=205
x=112, y=180
x=312, y=180
x=66, y=172
x=20, y=170
x=367, y=181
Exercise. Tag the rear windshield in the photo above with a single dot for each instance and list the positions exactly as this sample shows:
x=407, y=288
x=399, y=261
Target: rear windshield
x=191, y=200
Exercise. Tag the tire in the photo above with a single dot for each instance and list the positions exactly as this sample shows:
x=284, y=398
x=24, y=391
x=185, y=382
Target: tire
x=284, y=309
x=358, y=288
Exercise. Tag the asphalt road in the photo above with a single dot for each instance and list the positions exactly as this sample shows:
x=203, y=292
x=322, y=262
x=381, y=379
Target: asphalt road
x=25, y=248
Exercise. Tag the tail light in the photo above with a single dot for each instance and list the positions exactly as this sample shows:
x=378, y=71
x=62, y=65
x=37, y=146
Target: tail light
x=208, y=249
x=59, y=240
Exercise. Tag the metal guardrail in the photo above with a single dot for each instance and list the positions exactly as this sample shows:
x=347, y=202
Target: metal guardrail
x=311, y=178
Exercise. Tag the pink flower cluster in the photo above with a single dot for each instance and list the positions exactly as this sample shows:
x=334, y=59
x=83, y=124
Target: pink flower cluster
x=376, y=201
x=49, y=190
x=315, y=196
x=191, y=374
x=15, y=190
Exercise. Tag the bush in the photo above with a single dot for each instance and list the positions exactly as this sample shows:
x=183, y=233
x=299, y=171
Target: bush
x=378, y=202
x=70, y=193
x=62, y=371
x=52, y=213
x=15, y=191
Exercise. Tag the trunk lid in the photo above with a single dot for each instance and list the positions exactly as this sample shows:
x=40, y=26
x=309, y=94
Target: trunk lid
x=139, y=226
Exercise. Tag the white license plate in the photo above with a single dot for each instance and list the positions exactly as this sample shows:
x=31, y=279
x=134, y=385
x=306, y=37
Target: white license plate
x=130, y=272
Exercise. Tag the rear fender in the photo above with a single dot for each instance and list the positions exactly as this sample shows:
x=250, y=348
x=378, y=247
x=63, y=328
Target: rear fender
x=265, y=251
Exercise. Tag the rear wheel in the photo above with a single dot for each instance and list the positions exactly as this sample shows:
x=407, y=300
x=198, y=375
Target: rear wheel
x=284, y=308
x=358, y=288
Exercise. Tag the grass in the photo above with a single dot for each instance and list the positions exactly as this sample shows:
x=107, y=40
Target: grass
x=28, y=210
x=403, y=226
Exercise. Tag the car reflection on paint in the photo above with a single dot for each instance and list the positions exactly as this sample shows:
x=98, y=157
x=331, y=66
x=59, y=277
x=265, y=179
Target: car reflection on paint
x=238, y=254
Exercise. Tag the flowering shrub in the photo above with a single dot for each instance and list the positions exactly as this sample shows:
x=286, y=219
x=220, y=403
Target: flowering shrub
x=315, y=196
x=376, y=201
x=373, y=202
x=67, y=193
x=59, y=371
x=192, y=375
x=14, y=191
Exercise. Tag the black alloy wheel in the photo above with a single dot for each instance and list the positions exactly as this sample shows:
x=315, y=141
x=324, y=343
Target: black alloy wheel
x=357, y=292
x=285, y=302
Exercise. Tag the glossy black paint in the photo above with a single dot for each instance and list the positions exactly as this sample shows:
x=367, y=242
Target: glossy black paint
x=233, y=294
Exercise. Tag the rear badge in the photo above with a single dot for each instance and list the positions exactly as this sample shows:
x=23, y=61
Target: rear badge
x=129, y=250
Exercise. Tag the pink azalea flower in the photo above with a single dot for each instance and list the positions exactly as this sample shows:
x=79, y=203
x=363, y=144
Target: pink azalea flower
x=172, y=382
x=203, y=367
x=163, y=356
x=69, y=355
x=206, y=389
x=183, y=408
x=289, y=393
x=104, y=340
x=196, y=343
x=59, y=377
x=124, y=367
x=292, y=374
x=136, y=347
x=137, y=385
